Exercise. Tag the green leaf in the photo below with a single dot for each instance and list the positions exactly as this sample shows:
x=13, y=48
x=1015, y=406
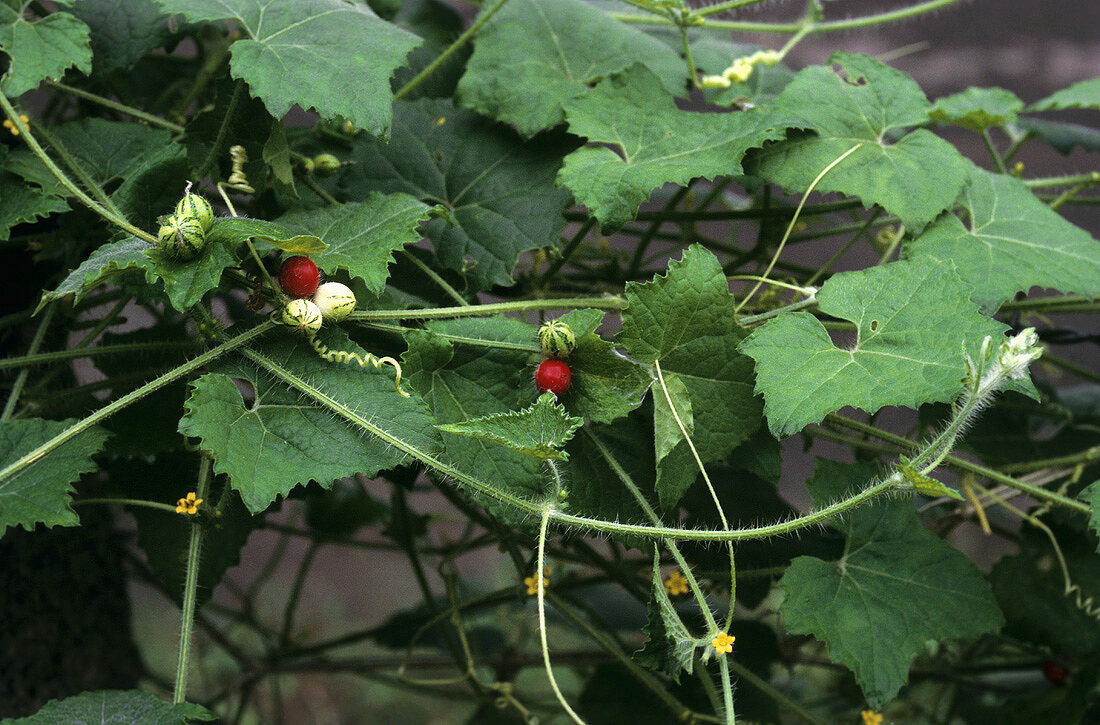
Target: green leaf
x=24, y=203
x=498, y=190
x=977, y=109
x=235, y=231
x=122, y=31
x=670, y=648
x=895, y=587
x=673, y=479
x=290, y=46
x=644, y=141
x=362, y=236
x=42, y=491
x=686, y=321
x=154, y=188
x=1091, y=496
x=460, y=382
x=540, y=431
x=281, y=439
x=1062, y=137
x=41, y=49
x=594, y=486
x=115, y=707
x=235, y=115
x=276, y=154
x=1011, y=242
x=101, y=266
x=916, y=178
x=606, y=385
x=1085, y=94
x=185, y=282
x=535, y=55
x=164, y=536
x=913, y=321
x=107, y=150
x=438, y=24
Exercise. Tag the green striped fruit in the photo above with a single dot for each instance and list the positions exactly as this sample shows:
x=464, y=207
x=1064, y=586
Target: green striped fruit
x=195, y=207
x=302, y=315
x=326, y=164
x=181, y=237
x=335, y=300
x=556, y=339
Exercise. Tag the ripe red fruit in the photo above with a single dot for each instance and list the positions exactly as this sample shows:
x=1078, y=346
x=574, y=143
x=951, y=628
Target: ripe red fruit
x=299, y=276
x=1055, y=673
x=553, y=375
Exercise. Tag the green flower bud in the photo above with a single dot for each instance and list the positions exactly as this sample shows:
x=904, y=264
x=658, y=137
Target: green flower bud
x=326, y=164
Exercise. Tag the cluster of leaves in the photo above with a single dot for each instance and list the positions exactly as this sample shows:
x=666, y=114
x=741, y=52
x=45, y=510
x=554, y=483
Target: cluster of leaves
x=545, y=182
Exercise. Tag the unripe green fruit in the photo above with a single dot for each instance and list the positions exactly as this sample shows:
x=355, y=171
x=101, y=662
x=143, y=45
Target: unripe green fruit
x=556, y=339
x=326, y=164
x=335, y=300
x=195, y=207
x=181, y=237
x=302, y=315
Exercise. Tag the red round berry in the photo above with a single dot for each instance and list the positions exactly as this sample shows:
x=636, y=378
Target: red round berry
x=553, y=375
x=1056, y=673
x=299, y=276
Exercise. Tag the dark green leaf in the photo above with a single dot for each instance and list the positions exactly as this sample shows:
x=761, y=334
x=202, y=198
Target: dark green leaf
x=895, y=588
x=977, y=109
x=115, y=707
x=1010, y=242
x=498, y=190
x=642, y=141
x=1085, y=94
x=281, y=439
x=565, y=45
x=288, y=47
x=42, y=491
x=914, y=320
x=915, y=178
x=122, y=31
x=41, y=49
x=24, y=203
x=540, y=431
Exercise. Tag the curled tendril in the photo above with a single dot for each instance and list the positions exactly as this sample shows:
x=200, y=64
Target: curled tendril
x=343, y=356
x=237, y=178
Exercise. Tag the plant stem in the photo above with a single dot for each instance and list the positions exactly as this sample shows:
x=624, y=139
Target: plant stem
x=713, y=215
x=21, y=380
x=129, y=347
x=996, y=155
x=655, y=225
x=296, y=593
x=570, y=247
x=542, y=618
x=825, y=27
x=65, y=181
x=1074, y=368
x=75, y=167
x=451, y=49
x=115, y=105
x=725, y=7
x=764, y=686
x=1092, y=177
x=434, y=276
x=190, y=588
x=495, y=308
x=476, y=341
x=126, y=400
x=127, y=502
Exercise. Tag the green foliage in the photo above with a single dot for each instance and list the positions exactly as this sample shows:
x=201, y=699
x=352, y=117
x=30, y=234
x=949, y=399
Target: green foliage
x=894, y=588
x=566, y=45
x=628, y=172
x=915, y=177
x=288, y=46
x=40, y=49
x=913, y=322
x=483, y=174
x=116, y=707
x=649, y=142
x=42, y=492
x=539, y=431
x=1010, y=242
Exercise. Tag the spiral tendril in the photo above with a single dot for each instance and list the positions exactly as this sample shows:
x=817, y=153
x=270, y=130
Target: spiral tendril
x=237, y=178
x=343, y=356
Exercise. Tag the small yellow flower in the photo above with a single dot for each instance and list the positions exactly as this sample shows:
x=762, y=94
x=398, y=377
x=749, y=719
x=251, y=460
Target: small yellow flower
x=532, y=581
x=740, y=70
x=188, y=505
x=676, y=584
x=723, y=643
x=870, y=717
x=11, y=126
